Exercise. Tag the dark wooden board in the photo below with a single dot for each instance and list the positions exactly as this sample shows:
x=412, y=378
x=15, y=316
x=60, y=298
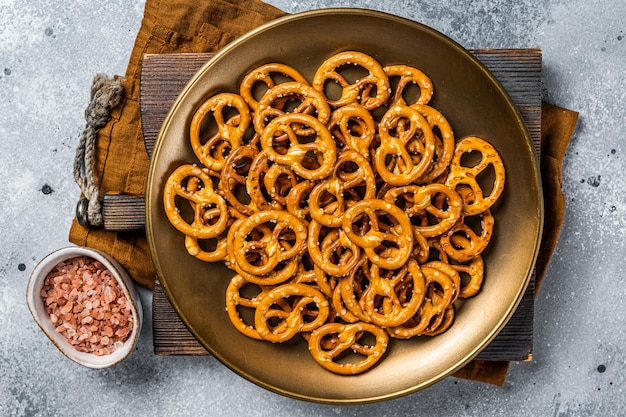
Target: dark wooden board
x=164, y=76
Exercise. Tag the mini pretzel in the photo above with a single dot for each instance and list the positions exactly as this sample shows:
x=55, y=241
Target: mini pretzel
x=334, y=244
x=358, y=91
x=473, y=269
x=294, y=320
x=230, y=132
x=272, y=104
x=467, y=175
x=399, y=236
x=470, y=243
x=444, y=141
x=395, y=310
x=402, y=128
x=201, y=197
x=263, y=74
x=336, y=186
x=354, y=126
x=234, y=299
x=435, y=303
x=420, y=201
x=347, y=339
x=321, y=144
x=269, y=244
x=235, y=173
x=407, y=74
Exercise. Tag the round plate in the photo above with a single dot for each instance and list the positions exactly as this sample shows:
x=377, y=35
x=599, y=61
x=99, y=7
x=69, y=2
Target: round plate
x=474, y=103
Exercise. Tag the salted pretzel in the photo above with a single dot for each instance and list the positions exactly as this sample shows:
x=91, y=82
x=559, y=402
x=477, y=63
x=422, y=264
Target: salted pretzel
x=471, y=235
x=297, y=154
x=353, y=126
x=420, y=201
x=348, y=340
x=395, y=310
x=294, y=319
x=399, y=237
x=472, y=271
x=336, y=185
x=444, y=141
x=333, y=253
x=406, y=75
x=357, y=91
x=268, y=75
x=193, y=184
x=253, y=235
x=230, y=130
x=306, y=99
x=407, y=139
x=467, y=175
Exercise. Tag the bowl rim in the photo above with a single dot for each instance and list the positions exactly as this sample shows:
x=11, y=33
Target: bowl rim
x=538, y=212
x=37, y=309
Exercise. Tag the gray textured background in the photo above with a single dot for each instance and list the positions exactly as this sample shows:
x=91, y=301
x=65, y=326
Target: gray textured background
x=49, y=53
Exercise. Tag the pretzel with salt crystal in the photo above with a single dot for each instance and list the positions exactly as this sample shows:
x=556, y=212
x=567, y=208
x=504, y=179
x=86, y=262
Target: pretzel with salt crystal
x=346, y=337
x=193, y=184
x=230, y=131
x=357, y=91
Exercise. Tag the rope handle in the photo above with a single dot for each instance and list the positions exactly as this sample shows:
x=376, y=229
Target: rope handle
x=106, y=94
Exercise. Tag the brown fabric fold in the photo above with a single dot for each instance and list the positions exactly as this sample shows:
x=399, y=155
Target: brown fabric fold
x=121, y=161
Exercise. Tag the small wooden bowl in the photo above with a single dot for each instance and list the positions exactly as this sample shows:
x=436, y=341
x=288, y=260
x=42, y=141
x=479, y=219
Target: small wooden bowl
x=38, y=309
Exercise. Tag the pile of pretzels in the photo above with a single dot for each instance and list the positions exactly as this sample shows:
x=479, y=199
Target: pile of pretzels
x=346, y=209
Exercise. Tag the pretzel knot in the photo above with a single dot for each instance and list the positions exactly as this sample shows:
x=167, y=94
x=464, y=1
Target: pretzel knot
x=353, y=126
x=407, y=75
x=308, y=310
x=437, y=206
x=371, y=91
x=461, y=173
x=264, y=240
x=345, y=338
x=387, y=301
x=383, y=230
x=407, y=146
x=263, y=75
x=333, y=253
x=332, y=196
x=313, y=158
x=291, y=97
x=194, y=185
x=230, y=128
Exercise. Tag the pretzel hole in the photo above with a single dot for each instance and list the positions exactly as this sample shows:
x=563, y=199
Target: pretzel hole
x=241, y=194
x=260, y=87
x=486, y=179
x=208, y=245
x=351, y=73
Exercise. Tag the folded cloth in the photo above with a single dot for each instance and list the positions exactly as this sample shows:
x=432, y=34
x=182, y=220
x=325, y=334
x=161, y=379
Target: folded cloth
x=121, y=161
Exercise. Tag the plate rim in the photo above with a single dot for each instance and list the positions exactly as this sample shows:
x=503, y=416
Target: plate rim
x=288, y=19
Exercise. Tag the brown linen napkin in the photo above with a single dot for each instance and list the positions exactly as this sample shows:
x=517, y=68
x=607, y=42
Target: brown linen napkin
x=121, y=162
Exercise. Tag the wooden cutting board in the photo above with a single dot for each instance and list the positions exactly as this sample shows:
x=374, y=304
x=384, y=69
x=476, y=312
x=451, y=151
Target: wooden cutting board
x=164, y=76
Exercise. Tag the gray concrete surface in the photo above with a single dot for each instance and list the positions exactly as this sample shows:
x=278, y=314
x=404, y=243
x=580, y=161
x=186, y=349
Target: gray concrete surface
x=49, y=53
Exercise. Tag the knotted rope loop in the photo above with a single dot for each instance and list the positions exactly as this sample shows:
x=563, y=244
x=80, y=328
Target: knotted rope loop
x=106, y=94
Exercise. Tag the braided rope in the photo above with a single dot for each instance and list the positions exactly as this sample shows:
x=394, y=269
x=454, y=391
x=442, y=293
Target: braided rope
x=106, y=94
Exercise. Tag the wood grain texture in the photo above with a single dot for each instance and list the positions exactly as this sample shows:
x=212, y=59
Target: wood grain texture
x=164, y=76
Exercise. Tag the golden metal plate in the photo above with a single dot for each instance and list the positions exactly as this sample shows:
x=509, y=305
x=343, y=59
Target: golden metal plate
x=473, y=101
